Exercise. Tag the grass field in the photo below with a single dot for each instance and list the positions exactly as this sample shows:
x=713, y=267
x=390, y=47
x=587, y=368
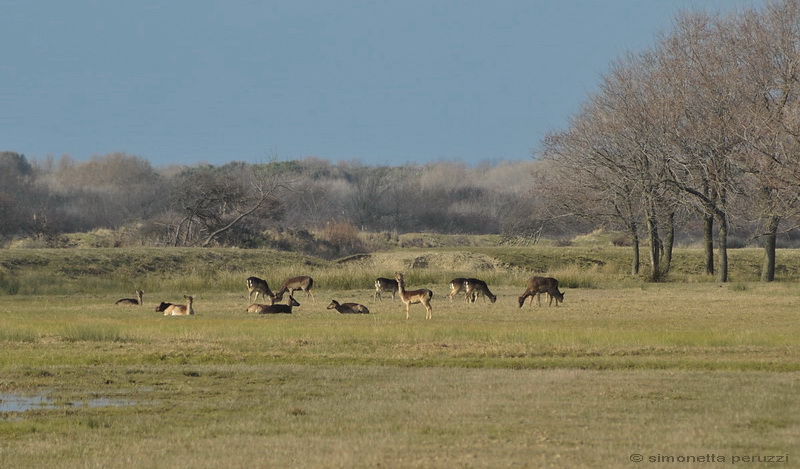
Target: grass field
x=672, y=373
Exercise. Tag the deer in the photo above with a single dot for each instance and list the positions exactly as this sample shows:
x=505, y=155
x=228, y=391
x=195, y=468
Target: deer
x=539, y=285
x=259, y=286
x=477, y=287
x=291, y=285
x=408, y=298
x=273, y=309
x=348, y=308
x=456, y=287
x=180, y=310
x=131, y=301
x=385, y=285
x=163, y=307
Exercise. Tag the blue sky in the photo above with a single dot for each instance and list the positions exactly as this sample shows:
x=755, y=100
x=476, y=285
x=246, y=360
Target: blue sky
x=381, y=82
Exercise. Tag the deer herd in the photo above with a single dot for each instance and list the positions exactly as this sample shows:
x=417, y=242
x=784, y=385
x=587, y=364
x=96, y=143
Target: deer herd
x=471, y=288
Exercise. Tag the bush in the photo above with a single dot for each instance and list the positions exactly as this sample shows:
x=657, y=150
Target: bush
x=343, y=236
x=622, y=241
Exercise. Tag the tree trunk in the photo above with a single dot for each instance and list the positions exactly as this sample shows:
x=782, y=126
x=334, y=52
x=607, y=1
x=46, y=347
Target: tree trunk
x=636, y=261
x=655, y=249
x=708, y=242
x=722, y=272
x=669, y=243
x=768, y=268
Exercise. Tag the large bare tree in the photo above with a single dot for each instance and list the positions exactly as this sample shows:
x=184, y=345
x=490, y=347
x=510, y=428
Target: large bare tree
x=700, y=76
x=615, y=156
x=766, y=46
x=212, y=202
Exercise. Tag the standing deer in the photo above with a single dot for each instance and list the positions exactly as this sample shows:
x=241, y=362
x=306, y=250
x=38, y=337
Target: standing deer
x=477, y=287
x=456, y=287
x=348, y=308
x=385, y=285
x=131, y=301
x=180, y=310
x=273, y=309
x=258, y=286
x=422, y=295
x=539, y=285
x=293, y=284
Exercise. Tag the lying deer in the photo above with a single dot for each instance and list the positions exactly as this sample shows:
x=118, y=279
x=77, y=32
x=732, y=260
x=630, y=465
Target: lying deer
x=293, y=284
x=131, y=301
x=178, y=310
x=408, y=298
x=163, y=307
x=348, y=308
x=273, y=309
x=385, y=285
x=259, y=287
x=539, y=285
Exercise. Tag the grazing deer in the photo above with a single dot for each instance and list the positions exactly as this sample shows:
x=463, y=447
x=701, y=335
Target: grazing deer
x=132, y=301
x=348, y=308
x=273, y=309
x=258, y=286
x=539, y=285
x=456, y=287
x=477, y=287
x=180, y=310
x=422, y=295
x=385, y=285
x=291, y=285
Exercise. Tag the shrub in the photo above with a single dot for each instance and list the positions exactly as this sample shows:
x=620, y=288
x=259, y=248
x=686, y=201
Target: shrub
x=343, y=236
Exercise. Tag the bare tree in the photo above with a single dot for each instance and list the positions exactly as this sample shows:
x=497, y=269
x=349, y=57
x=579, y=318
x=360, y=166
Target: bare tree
x=367, y=202
x=582, y=177
x=699, y=74
x=615, y=154
x=214, y=202
x=767, y=49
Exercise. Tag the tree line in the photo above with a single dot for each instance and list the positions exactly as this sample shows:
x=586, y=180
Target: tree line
x=704, y=125
x=243, y=204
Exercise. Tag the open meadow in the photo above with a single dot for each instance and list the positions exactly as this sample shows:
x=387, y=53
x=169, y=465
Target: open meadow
x=687, y=373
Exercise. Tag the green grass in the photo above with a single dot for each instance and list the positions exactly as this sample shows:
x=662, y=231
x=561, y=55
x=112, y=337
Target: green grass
x=90, y=332
x=354, y=416
x=622, y=367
